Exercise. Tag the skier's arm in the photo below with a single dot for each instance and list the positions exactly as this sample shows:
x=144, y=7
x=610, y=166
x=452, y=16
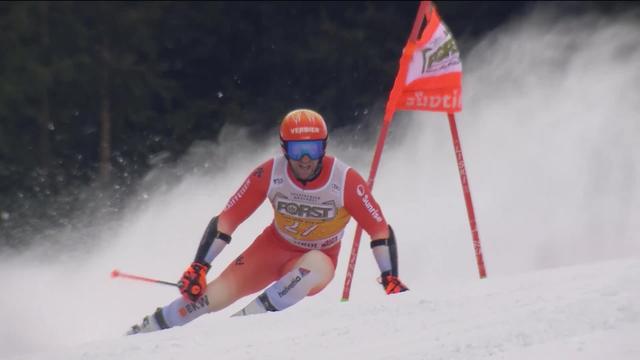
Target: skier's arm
x=247, y=199
x=218, y=232
x=361, y=204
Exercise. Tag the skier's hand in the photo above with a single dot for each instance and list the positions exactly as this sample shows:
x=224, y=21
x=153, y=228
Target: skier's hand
x=392, y=283
x=194, y=281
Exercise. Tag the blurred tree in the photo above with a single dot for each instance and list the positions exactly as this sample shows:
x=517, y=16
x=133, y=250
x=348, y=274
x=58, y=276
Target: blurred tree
x=127, y=73
x=25, y=75
x=44, y=65
x=105, y=90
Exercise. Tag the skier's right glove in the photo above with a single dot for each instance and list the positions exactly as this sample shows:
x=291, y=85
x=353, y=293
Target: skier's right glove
x=391, y=283
x=194, y=281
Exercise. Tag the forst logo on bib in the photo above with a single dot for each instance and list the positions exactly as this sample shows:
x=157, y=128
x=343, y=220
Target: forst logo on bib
x=305, y=211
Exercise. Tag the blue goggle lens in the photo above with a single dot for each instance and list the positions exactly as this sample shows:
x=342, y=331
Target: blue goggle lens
x=314, y=149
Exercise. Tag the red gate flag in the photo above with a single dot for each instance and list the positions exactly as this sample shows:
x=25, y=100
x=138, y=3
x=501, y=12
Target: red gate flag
x=430, y=74
x=429, y=79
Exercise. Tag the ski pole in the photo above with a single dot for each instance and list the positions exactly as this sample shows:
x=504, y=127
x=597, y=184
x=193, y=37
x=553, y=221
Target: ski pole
x=118, y=273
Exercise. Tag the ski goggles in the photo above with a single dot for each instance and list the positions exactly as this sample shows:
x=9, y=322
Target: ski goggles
x=314, y=149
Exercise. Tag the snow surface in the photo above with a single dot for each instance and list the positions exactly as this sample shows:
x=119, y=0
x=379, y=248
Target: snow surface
x=550, y=133
x=582, y=312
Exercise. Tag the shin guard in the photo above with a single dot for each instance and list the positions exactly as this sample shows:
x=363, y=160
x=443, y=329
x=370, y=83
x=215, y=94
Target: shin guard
x=291, y=288
x=182, y=311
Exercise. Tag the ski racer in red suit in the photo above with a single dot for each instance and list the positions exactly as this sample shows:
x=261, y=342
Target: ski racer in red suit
x=313, y=196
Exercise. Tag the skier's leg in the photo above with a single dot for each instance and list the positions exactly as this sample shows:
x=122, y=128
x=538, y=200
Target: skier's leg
x=258, y=266
x=307, y=275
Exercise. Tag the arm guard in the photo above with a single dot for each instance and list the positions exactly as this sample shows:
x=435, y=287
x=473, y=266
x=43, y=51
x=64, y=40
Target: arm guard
x=386, y=253
x=212, y=243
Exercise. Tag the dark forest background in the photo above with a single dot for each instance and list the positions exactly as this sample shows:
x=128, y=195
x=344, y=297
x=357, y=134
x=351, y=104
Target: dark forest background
x=91, y=92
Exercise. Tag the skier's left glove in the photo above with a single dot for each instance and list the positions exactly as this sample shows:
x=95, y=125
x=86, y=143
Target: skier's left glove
x=194, y=281
x=391, y=283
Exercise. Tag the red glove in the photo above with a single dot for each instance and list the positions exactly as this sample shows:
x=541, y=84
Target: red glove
x=391, y=283
x=194, y=281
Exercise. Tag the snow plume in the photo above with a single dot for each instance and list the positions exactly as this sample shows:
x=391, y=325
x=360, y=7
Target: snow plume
x=552, y=128
x=59, y=297
x=549, y=133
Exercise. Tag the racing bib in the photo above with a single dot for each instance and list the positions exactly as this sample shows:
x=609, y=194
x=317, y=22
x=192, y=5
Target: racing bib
x=310, y=219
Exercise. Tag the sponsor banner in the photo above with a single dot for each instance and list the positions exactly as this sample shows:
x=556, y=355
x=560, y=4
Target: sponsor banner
x=436, y=56
x=430, y=76
x=444, y=100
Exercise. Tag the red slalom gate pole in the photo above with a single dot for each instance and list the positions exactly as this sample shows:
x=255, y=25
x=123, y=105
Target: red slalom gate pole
x=356, y=240
x=388, y=116
x=117, y=273
x=467, y=196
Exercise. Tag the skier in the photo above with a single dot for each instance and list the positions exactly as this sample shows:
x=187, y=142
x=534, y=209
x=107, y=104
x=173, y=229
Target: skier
x=313, y=196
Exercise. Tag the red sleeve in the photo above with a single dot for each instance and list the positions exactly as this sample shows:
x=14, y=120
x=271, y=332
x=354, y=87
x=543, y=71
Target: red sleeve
x=363, y=207
x=247, y=199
